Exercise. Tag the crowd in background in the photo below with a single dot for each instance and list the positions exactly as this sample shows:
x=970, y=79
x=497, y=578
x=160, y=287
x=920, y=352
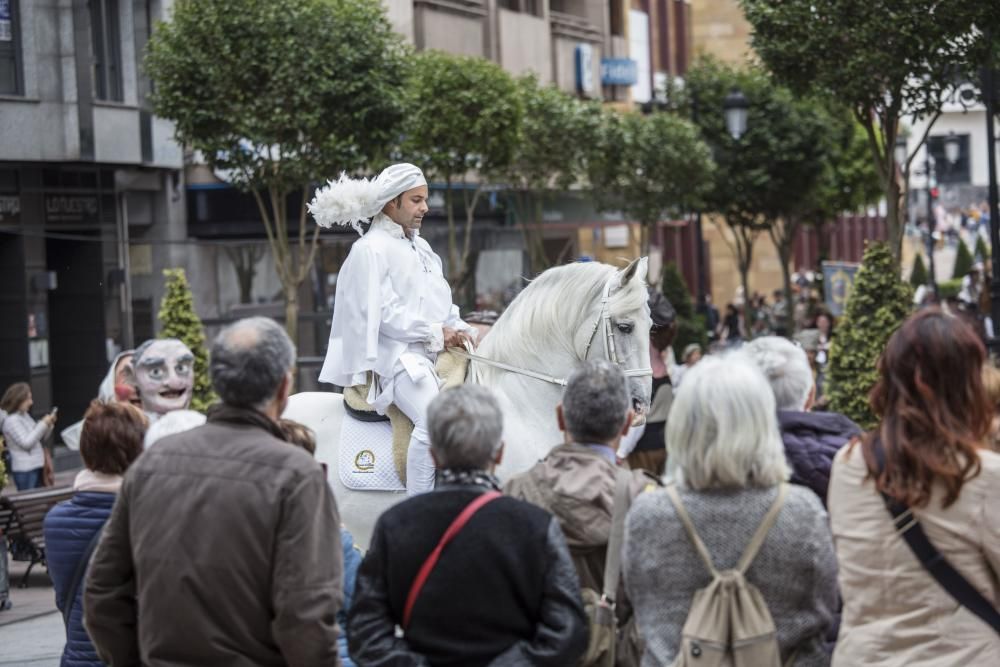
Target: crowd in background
x=220, y=542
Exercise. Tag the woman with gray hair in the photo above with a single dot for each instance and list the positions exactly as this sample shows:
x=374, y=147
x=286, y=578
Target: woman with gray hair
x=726, y=464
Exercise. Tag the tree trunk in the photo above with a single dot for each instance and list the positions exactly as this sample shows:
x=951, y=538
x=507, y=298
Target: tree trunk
x=292, y=311
x=895, y=224
x=644, y=238
x=784, y=255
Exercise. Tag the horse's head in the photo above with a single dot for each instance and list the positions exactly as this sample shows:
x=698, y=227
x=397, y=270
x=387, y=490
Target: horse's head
x=625, y=327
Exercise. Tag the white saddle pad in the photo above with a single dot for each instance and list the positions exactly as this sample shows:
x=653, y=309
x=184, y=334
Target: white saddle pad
x=366, y=456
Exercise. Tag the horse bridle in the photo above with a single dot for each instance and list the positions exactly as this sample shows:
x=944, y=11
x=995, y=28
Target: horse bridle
x=609, y=348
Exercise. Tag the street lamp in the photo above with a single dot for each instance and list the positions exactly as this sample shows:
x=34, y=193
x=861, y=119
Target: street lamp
x=735, y=107
x=952, y=148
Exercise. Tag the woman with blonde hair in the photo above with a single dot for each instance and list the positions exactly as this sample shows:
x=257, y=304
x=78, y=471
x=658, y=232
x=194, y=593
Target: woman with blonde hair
x=923, y=482
x=726, y=467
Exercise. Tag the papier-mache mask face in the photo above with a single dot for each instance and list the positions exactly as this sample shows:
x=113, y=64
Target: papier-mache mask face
x=164, y=374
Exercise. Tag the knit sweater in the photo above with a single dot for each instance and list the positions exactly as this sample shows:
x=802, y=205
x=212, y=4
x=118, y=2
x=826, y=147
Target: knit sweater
x=795, y=569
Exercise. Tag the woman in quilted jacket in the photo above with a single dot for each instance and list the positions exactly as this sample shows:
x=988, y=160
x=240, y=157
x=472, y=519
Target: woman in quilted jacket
x=110, y=441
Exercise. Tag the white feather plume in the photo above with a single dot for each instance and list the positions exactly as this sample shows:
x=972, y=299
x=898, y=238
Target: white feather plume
x=346, y=201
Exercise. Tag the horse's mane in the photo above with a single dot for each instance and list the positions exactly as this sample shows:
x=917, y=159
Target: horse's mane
x=546, y=316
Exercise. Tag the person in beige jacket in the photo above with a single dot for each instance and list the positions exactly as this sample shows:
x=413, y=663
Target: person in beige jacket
x=935, y=418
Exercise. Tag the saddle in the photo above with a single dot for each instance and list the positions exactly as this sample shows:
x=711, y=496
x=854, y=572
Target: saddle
x=452, y=370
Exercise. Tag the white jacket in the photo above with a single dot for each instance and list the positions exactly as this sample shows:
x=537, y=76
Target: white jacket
x=392, y=298
x=23, y=437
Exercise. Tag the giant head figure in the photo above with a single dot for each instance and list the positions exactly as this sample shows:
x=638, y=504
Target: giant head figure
x=164, y=374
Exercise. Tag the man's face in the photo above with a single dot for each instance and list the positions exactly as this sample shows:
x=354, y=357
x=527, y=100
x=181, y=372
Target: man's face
x=164, y=374
x=409, y=212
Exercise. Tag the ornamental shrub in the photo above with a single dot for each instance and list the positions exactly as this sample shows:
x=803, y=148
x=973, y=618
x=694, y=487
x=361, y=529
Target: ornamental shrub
x=180, y=321
x=878, y=304
x=918, y=274
x=982, y=252
x=690, y=326
x=963, y=260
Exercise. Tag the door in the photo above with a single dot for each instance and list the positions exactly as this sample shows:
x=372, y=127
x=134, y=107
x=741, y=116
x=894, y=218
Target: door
x=77, y=352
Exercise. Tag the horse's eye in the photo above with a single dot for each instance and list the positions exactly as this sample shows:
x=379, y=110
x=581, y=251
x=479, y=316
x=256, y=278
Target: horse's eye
x=625, y=327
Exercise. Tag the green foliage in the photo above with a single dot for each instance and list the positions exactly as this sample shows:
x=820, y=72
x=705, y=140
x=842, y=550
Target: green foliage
x=882, y=58
x=556, y=132
x=963, y=260
x=281, y=95
x=949, y=289
x=918, y=274
x=649, y=167
x=849, y=180
x=690, y=326
x=878, y=304
x=179, y=320
x=464, y=116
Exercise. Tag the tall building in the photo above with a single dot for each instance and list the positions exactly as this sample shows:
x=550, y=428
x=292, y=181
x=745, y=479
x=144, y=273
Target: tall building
x=719, y=29
x=84, y=165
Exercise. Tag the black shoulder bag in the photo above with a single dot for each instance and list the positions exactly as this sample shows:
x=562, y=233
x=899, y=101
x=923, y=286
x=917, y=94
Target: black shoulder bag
x=81, y=569
x=934, y=562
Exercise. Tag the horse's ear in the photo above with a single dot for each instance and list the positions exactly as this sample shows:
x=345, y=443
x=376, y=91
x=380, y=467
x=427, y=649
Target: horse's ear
x=637, y=268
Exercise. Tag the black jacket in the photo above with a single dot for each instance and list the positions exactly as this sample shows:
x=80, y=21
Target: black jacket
x=504, y=591
x=811, y=440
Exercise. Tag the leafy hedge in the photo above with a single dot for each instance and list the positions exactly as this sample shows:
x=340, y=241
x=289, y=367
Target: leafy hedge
x=878, y=304
x=690, y=326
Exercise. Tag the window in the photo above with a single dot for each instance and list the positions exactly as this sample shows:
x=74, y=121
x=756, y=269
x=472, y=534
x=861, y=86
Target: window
x=106, y=46
x=10, y=49
x=945, y=171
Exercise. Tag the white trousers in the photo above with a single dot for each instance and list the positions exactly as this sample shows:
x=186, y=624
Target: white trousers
x=412, y=398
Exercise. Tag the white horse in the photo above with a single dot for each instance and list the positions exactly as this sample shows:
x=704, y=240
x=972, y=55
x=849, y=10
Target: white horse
x=568, y=314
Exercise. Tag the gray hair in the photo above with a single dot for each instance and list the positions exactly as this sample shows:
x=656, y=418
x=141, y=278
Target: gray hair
x=786, y=367
x=596, y=402
x=722, y=431
x=466, y=427
x=248, y=360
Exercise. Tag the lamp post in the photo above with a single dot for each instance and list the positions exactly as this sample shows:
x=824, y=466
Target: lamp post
x=736, y=109
x=989, y=96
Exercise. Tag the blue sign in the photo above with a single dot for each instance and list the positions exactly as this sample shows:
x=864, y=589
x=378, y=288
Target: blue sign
x=619, y=72
x=6, y=33
x=838, y=279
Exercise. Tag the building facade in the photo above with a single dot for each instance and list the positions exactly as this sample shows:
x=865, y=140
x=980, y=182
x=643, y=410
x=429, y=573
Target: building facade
x=84, y=167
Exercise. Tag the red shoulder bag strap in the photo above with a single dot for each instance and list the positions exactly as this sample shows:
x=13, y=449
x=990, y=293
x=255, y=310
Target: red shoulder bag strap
x=449, y=535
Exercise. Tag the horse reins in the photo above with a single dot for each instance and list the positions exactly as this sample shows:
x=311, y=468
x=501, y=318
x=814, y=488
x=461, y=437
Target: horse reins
x=609, y=348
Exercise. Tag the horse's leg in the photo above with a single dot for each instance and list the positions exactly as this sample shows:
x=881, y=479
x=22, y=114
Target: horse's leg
x=323, y=412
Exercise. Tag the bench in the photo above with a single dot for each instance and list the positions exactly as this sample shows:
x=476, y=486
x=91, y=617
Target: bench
x=21, y=516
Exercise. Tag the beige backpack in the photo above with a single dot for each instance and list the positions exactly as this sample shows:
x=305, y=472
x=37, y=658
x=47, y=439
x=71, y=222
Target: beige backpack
x=729, y=624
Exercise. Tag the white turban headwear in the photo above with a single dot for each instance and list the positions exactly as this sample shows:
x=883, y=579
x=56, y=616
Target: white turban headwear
x=351, y=201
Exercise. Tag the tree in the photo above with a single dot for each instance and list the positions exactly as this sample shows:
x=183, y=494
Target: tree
x=244, y=258
x=556, y=131
x=766, y=178
x=690, y=326
x=280, y=95
x=918, y=274
x=883, y=58
x=462, y=128
x=982, y=250
x=963, y=260
x=878, y=304
x=649, y=167
x=180, y=321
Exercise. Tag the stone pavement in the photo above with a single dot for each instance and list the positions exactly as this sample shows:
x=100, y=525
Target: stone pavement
x=37, y=642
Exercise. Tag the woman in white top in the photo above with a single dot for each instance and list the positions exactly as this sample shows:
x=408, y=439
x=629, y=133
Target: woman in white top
x=23, y=436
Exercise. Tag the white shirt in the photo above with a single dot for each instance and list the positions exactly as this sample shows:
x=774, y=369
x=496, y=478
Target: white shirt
x=392, y=300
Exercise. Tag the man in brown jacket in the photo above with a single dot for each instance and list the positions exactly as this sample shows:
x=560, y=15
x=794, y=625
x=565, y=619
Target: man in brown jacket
x=223, y=547
x=576, y=481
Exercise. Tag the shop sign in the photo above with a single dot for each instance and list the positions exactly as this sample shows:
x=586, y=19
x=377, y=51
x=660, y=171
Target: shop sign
x=619, y=72
x=9, y=206
x=70, y=208
x=6, y=22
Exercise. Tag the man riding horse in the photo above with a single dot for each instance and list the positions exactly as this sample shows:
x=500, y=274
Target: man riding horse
x=393, y=311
